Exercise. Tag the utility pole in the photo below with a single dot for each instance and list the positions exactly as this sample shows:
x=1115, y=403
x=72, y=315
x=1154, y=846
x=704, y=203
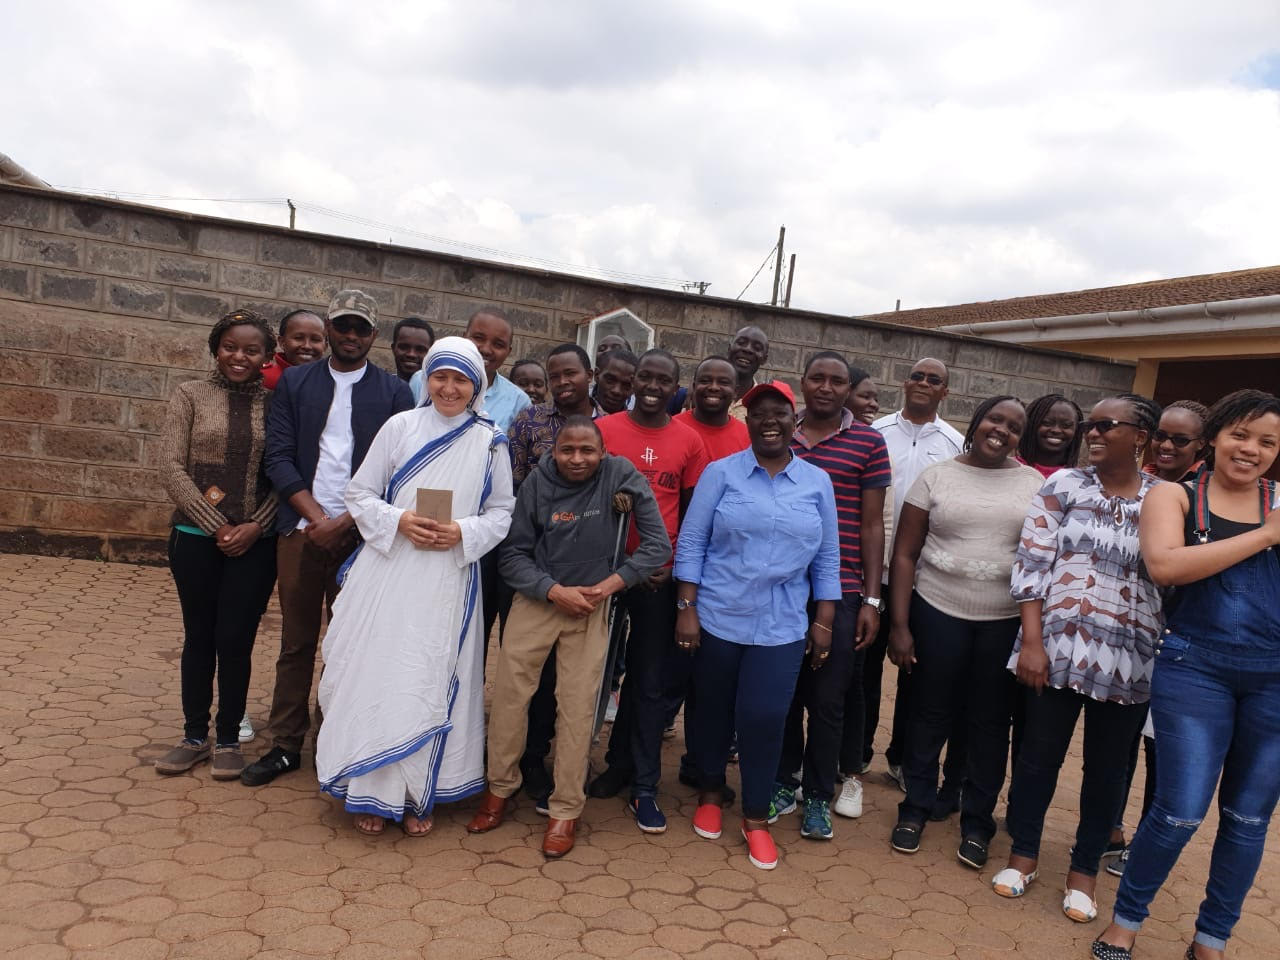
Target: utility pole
x=791, y=275
x=293, y=213
x=777, y=268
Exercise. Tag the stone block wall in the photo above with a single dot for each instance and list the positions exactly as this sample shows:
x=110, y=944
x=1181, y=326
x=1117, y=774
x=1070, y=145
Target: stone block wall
x=105, y=307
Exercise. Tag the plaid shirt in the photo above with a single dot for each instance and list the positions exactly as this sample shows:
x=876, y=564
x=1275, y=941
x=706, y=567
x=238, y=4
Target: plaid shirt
x=533, y=433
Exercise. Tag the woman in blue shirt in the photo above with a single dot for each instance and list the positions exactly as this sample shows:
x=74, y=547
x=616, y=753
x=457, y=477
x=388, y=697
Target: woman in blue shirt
x=759, y=539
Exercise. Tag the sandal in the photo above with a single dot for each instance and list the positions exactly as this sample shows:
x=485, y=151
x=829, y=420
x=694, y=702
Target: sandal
x=1109, y=951
x=1079, y=906
x=360, y=820
x=429, y=821
x=1012, y=883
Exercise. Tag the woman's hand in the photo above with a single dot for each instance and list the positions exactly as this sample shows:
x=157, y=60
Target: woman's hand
x=1033, y=665
x=902, y=647
x=427, y=533
x=235, y=541
x=447, y=535
x=818, y=644
x=688, y=629
x=572, y=600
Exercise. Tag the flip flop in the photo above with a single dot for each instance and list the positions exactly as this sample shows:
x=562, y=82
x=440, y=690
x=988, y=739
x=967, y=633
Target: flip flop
x=429, y=821
x=1079, y=906
x=1012, y=883
x=368, y=832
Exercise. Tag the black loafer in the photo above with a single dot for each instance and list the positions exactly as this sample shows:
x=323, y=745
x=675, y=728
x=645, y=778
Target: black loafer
x=275, y=762
x=972, y=853
x=1106, y=951
x=906, y=837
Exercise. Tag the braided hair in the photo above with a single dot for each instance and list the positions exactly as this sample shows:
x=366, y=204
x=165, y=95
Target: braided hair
x=1201, y=413
x=242, y=318
x=1037, y=412
x=1145, y=411
x=984, y=408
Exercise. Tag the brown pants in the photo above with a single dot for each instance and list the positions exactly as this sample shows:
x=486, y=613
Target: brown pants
x=533, y=629
x=308, y=584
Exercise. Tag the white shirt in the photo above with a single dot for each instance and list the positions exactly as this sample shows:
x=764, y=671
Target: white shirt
x=337, y=445
x=912, y=447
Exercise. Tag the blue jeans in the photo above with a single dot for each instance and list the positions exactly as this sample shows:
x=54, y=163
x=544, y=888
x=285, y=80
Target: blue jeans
x=1214, y=715
x=749, y=687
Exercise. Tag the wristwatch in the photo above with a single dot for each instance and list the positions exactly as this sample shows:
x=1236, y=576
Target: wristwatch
x=875, y=603
x=683, y=604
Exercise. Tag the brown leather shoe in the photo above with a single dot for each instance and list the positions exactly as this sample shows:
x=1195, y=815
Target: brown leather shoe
x=491, y=813
x=558, y=840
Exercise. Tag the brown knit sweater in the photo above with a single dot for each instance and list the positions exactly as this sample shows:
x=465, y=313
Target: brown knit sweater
x=214, y=437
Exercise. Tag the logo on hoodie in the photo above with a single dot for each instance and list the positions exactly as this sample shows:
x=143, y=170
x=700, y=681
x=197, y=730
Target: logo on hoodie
x=568, y=516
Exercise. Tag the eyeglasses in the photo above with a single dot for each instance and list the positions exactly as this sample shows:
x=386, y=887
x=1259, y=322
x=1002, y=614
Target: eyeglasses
x=1177, y=439
x=919, y=376
x=351, y=324
x=1105, y=426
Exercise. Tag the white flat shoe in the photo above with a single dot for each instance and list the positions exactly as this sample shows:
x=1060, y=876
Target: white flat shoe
x=1079, y=906
x=1012, y=883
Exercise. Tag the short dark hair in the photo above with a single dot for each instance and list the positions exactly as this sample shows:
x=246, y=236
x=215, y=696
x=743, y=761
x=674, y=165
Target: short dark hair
x=1037, y=411
x=580, y=421
x=415, y=323
x=284, y=321
x=666, y=354
x=829, y=355
x=715, y=356
x=619, y=355
x=496, y=312
x=576, y=350
x=1246, y=405
x=528, y=362
x=242, y=318
x=985, y=407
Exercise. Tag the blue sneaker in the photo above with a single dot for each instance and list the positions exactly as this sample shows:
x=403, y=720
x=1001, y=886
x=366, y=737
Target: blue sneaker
x=816, y=824
x=648, y=817
x=782, y=802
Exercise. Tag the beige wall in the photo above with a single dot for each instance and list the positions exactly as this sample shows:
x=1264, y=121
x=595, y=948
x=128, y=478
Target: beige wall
x=105, y=307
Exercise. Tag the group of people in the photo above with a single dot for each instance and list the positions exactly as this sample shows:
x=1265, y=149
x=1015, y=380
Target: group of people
x=748, y=559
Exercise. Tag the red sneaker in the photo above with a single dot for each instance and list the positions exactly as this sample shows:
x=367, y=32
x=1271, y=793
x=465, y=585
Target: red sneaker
x=706, y=821
x=760, y=848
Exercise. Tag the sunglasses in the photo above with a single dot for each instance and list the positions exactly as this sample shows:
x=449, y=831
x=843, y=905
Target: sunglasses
x=1177, y=439
x=351, y=324
x=918, y=376
x=1105, y=426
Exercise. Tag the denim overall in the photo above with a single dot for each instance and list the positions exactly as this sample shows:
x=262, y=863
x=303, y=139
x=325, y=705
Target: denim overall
x=1215, y=703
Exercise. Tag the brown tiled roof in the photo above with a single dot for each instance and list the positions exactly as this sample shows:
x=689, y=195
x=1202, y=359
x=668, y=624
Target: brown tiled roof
x=1208, y=287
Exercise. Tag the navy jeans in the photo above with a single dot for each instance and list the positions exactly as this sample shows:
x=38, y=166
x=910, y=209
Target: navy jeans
x=825, y=694
x=1213, y=716
x=1109, y=729
x=749, y=687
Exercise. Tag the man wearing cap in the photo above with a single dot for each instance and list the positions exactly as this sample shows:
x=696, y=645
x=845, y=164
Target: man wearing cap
x=323, y=418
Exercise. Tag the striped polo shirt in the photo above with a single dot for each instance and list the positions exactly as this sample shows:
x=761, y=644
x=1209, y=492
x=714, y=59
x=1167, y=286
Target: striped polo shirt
x=856, y=459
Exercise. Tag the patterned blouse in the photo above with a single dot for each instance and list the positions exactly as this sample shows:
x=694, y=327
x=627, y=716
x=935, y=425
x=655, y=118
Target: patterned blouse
x=1102, y=614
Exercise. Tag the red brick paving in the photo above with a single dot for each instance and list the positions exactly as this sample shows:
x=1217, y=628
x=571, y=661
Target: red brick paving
x=102, y=858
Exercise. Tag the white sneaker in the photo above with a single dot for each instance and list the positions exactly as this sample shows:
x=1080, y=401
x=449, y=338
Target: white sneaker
x=849, y=803
x=246, y=729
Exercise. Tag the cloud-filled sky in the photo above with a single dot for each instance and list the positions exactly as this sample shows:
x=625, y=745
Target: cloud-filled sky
x=930, y=151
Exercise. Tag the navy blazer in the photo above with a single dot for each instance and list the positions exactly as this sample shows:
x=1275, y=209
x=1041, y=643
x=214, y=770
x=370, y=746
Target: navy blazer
x=299, y=412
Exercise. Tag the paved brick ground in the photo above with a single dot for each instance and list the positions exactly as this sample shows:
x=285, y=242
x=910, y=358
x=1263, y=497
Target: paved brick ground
x=100, y=857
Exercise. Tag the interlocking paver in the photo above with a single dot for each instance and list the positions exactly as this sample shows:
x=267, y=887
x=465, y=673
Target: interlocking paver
x=102, y=858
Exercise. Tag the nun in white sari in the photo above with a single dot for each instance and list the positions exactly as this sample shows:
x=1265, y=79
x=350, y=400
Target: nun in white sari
x=403, y=685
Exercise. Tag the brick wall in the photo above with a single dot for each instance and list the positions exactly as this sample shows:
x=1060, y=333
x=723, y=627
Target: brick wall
x=105, y=307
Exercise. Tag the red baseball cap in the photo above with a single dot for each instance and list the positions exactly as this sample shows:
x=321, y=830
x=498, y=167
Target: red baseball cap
x=780, y=387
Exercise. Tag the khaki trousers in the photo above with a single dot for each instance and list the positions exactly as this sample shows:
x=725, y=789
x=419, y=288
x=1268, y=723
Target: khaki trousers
x=534, y=628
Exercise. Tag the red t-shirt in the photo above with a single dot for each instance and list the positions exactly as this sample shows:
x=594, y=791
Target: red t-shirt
x=272, y=369
x=671, y=458
x=719, y=441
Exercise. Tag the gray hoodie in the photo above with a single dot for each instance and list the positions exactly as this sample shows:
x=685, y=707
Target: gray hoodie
x=565, y=533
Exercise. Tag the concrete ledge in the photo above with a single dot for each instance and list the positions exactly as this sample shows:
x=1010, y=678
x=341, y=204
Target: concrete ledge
x=151, y=551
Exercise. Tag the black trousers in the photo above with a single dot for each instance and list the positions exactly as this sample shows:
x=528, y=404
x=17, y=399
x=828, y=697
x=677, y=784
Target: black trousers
x=495, y=597
x=960, y=675
x=222, y=599
x=825, y=694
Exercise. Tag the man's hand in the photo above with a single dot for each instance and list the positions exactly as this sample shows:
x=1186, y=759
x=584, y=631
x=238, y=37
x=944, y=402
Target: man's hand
x=864, y=634
x=572, y=600
x=330, y=534
x=235, y=541
x=605, y=589
x=656, y=580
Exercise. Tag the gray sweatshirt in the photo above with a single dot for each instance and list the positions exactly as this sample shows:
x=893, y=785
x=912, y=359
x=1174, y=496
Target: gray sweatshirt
x=565, y=533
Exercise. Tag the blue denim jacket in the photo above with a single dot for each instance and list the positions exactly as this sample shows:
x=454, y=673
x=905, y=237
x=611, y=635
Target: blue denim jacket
x=758, y=546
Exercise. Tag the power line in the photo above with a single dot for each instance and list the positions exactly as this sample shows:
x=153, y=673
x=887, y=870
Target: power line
x=767, y=258
x=519, y=258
